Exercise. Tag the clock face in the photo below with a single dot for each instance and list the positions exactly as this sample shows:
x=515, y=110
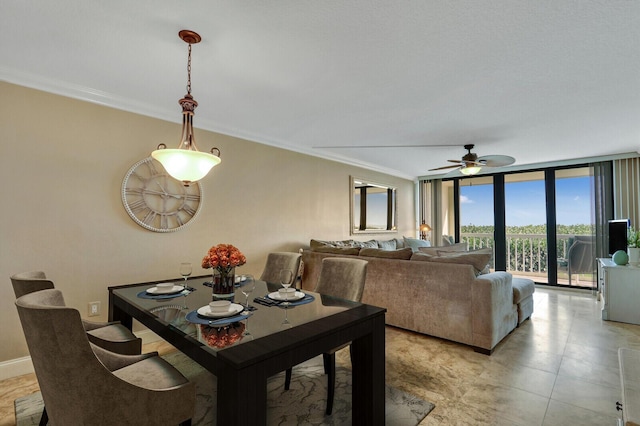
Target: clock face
x=156, y=201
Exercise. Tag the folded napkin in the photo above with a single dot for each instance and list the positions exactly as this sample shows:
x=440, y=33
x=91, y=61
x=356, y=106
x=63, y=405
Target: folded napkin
x=267, y=301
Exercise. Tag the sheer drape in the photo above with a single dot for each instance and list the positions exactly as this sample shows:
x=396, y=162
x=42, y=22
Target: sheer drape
x=626, y=187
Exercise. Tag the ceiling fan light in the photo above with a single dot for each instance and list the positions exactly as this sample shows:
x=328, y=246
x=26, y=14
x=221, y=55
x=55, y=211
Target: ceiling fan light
x=470, y=170
x=186, y=165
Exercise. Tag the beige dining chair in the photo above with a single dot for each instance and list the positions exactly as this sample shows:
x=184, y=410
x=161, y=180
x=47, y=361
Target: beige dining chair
x=83, y=384
x=112, y=336
x=278, y=261
x=343, y=278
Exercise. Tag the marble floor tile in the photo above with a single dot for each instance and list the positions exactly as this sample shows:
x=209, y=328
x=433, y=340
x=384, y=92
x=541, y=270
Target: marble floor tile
x=561, y=414
x=518, y=406
x=592, y=371
x=524, y=378
x=587, y=395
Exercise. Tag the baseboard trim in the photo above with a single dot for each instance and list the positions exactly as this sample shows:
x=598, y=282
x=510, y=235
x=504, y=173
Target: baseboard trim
x=15, y=367
x=21, y=366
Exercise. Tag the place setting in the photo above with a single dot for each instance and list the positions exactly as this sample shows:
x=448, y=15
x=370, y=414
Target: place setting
x=170, y=290
x=223, y=312
x=286, y=296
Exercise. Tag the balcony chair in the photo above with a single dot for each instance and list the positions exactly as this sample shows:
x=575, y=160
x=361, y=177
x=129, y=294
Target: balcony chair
x=83, y=384
x=112, y=336
x=277, y=262
x=343, y=278
x=581, y=257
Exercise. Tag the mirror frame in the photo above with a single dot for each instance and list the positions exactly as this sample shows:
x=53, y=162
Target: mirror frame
x=353, y=192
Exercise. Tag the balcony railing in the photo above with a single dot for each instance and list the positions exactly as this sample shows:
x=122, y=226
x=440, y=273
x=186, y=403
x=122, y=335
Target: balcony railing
x=527, y=256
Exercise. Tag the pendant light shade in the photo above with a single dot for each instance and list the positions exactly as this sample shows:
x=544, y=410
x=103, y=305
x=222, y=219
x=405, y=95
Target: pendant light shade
x=186, y=163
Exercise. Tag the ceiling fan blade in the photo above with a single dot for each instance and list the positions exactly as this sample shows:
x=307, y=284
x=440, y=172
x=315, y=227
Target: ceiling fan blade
x=497, y=160
x=446, y=167
x=455, y=161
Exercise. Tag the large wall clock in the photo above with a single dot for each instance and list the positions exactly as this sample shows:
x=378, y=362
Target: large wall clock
x=156, y=201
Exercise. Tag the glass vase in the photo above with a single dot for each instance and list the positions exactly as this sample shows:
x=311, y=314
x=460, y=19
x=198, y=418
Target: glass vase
x=223, y=284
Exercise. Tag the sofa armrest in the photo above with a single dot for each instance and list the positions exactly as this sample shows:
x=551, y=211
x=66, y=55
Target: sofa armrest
x=494, y=314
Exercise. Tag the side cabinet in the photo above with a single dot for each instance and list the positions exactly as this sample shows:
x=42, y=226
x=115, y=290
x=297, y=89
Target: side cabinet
x=620, y=290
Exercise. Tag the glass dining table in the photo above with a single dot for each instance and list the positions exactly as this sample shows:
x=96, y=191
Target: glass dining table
x=245, y=350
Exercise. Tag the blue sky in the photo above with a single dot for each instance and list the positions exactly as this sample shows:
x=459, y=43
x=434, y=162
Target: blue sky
x=526, y=203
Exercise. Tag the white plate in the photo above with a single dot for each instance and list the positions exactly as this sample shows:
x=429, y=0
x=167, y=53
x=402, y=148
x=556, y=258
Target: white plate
x=234, y=308
x=292, y=298
x=170, y=290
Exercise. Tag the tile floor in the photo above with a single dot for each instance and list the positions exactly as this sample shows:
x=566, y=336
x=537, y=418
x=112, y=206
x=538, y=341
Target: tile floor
x=559, y=368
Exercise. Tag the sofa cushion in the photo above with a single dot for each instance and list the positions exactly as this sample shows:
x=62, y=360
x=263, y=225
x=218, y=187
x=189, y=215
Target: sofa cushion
x=435, y=250
x=366, y=244
x=479, y=259
x=415, y=243
x=388, y=244
x=351, y=251
x=404, y=253
x=522, y=288
x=314, y=244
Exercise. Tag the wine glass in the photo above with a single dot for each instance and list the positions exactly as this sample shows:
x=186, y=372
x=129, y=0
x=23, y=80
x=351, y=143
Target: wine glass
x=185, y=271
x=246, y=287
x=286, y=323
x=286, y=279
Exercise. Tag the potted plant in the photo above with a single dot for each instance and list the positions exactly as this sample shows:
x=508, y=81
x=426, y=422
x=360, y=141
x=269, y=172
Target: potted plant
x=633, y=246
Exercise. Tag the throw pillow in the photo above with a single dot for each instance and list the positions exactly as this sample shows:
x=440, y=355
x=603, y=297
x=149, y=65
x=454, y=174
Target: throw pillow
x=415, y=243
x=404, y=253
x=458, y=247
x=314, y=244
x=367, y=244
x=479, y=259
x=351, y=251
x=422, y=257
x=387, y=245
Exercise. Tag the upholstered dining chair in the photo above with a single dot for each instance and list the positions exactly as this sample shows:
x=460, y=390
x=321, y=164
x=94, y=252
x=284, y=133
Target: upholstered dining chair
x=83, y=384
x=112, y=336
x=278, y=261
x=343, y=278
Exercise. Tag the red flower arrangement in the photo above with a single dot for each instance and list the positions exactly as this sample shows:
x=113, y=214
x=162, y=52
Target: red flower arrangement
x=222, y=337
x=223, y=257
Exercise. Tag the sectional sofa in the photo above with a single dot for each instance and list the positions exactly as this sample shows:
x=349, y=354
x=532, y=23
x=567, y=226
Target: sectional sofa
x=439, y=293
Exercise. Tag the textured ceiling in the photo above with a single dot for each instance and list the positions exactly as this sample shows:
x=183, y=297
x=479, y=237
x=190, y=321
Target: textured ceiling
x=537, y=80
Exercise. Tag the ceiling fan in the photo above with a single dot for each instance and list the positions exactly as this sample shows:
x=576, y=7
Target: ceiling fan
x=471, y=164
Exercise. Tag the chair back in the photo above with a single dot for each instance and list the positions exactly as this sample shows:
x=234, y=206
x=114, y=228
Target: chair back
x=343, y=278
x=28, y=282
x=581, y=256
x=68, y=371
x=277, y=262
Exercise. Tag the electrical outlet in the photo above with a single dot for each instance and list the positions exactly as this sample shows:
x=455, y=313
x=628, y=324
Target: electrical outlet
x=94, y=309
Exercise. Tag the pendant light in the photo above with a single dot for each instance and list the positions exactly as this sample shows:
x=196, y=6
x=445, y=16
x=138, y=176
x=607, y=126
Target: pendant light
x=186, y=163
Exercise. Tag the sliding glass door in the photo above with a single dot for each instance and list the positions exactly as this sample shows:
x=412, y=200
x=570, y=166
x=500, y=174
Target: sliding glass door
x=575, y=229
x=539, y=223
x=526, y=225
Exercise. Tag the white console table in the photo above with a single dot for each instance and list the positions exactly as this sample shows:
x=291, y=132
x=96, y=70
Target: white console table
x=620, y=289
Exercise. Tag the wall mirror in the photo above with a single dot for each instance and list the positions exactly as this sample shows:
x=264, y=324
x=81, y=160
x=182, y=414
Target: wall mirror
x=373, y=207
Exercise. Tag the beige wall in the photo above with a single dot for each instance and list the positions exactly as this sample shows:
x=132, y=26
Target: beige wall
x=62, y=162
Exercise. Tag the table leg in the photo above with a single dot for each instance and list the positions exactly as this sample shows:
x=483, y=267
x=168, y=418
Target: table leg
x=242, y=396
x=369, y=376
x=117, y=314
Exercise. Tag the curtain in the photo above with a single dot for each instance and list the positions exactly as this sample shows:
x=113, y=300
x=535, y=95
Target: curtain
x=626, y=187
x=603, y=205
